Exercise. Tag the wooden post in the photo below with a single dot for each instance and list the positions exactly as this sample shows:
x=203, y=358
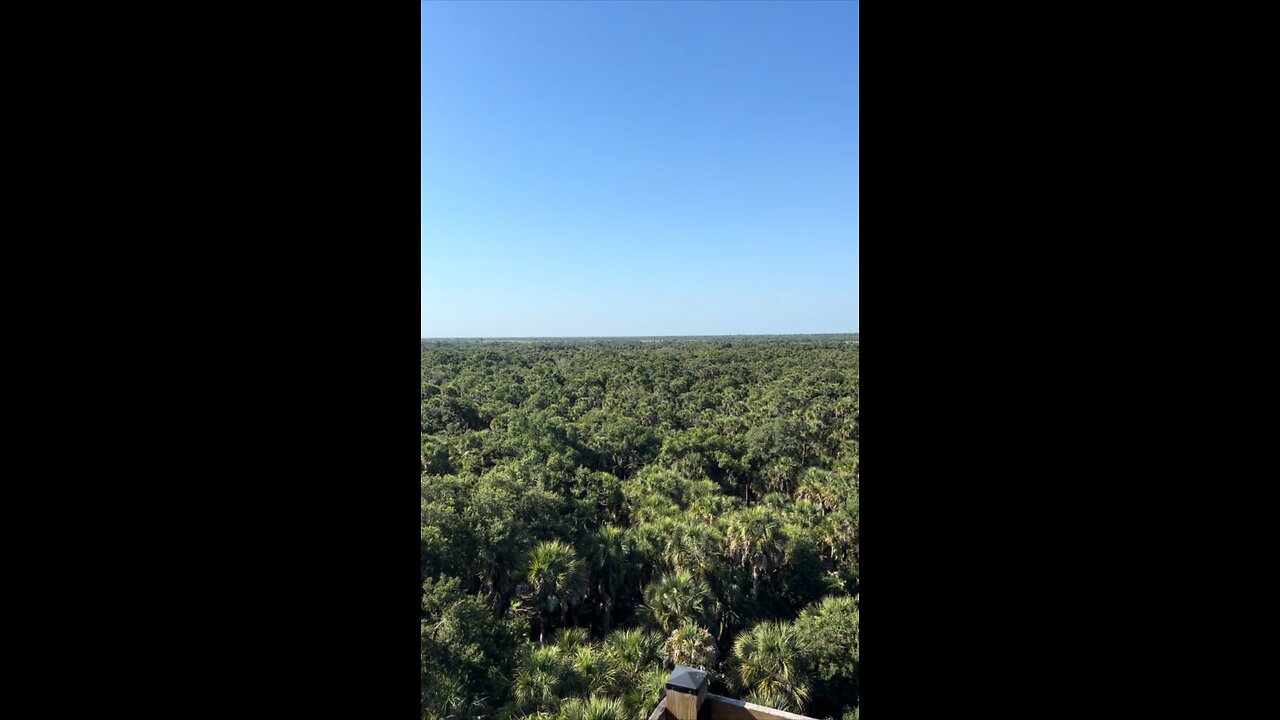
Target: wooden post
x=686, y=689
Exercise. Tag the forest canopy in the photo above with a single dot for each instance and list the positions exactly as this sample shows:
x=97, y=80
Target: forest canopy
x=595, y=512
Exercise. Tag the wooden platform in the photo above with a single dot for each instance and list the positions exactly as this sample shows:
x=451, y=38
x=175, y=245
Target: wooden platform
x=718, y=707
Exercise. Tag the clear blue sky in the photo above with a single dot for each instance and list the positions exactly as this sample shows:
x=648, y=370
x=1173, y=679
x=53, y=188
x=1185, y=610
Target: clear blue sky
x=639, y=168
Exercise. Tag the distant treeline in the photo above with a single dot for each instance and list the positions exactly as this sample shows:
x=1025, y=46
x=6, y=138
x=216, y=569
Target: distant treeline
x=622, y=342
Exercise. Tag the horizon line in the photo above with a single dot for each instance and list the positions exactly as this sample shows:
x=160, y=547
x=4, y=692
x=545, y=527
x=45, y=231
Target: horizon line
x=623, y=337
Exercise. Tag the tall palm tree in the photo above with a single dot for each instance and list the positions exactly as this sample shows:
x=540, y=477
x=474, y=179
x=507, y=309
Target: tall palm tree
x=839, y=532
x=754, y=537
x=678, y=597
x=613, y=566
x=769, y=661
x=555, y=574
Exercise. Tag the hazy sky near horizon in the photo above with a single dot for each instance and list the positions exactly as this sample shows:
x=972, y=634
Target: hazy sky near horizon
x=639, y=168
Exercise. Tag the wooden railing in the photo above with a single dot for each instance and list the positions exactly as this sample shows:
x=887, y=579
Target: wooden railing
x=690, y=703
x=719, y=707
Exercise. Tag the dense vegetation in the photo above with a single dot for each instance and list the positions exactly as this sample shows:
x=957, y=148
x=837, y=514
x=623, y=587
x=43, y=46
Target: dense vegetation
x=595, y=512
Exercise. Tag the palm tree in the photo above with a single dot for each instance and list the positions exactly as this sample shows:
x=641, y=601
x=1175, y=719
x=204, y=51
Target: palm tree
x=815, y=485
x=691, y=645
x=839, y=532
x=678, y=597
x=540, y=679
x=679, y=543
x=555, y=574
x=694, y=547
x=443, y=697
x=835, y=606
x=779, y=474
x=570, y=639
x=755, y=538
x=775, y=700
x=711, y=508
x=593, y=708
x=769, y=662
x=594, y=671
x=632, y=652
x=612, y=564
x=646, y=691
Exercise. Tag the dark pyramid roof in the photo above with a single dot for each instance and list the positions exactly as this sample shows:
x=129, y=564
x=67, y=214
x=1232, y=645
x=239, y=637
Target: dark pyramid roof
x=686, y=679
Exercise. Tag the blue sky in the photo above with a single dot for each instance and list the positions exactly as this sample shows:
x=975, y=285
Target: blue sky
x=639, y=168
